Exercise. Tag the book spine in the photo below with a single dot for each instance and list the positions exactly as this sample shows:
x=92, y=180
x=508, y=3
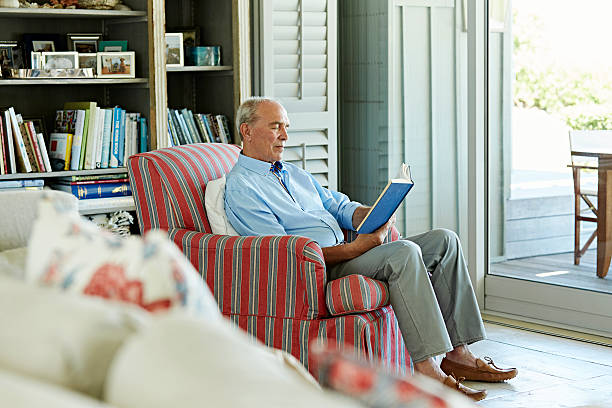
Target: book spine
x=219, y=124
x=9, y=142
x=212, y=124
x=114, y=156
x=68, y=151
x=226, y=128
x=188, y=117
x=177, y=129
x=34, y=140
x=102, y=190
x=27, y=141
x=106, y=137
x=91, y=139
x=200, y=123
x=21, y=154
x=2, y=150
x=89, y=182
x=84, y=139
x=45, y=153
x=99, y=138
x=77, y=140
x=183, y=127
x=21, y=183
x=121, y=138
x=143, y=135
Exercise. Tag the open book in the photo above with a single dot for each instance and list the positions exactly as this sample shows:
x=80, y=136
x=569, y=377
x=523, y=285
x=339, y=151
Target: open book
x=388, y=201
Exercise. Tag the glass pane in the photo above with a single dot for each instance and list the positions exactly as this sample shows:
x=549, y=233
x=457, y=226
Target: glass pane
x=550, y=106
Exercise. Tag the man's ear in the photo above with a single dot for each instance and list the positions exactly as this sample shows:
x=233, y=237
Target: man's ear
x=245, y=130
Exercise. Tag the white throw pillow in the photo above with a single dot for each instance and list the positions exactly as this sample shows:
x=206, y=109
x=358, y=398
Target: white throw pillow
x=70, y=253
x=208, y=364
x=214, y=201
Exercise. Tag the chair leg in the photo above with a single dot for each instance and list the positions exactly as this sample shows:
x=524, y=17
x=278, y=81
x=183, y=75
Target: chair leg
x=576, y=216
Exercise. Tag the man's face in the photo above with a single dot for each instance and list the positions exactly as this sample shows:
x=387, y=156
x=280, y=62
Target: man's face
x=265, y=138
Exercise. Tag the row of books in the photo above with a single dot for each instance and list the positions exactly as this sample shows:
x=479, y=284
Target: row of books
x=92, y=137
x=94, y=186
x=186, y=127
x=22, y=146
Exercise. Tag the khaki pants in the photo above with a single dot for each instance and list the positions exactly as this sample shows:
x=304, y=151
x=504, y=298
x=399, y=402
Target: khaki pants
x=435, y=314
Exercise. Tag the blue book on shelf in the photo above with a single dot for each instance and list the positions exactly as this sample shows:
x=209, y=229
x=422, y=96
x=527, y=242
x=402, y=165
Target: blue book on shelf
x=97, y=190
x=144, y=137
x=122, y=138
x=387, y=203
x=106, y=137
x=114, y=155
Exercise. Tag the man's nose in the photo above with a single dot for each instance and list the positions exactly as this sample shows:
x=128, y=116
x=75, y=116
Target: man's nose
x=283, y=134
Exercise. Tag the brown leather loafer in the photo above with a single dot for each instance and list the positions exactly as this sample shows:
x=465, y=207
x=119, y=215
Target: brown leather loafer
x=452, y=382
x=485, y=370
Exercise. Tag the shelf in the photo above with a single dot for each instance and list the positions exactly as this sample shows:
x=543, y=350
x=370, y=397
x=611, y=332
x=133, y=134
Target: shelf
x=54, y=174
x=74, y=81
x=106, y=205
x=67, y=13
x=192, y=68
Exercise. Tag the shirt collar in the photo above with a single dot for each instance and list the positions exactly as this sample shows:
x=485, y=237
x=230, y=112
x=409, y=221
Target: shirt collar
x=258, y=166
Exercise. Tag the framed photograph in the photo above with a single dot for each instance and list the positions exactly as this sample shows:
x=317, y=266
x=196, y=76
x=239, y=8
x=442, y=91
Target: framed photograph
x=191, y=35
x=43, y=46
x=35, y=60
x=88, y=60
x=60, y=60
x=84, y=43
x=116, y=64
x=10, y=56
x=174, y=50
x=112, y=46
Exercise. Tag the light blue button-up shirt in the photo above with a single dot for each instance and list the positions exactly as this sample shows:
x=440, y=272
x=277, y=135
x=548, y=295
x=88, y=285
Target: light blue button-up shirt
x=256, y=203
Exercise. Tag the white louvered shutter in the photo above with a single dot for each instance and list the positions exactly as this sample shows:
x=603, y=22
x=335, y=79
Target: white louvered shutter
x=298, y=58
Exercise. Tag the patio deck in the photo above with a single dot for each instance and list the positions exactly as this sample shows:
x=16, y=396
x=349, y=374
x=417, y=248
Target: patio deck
x=558, y=269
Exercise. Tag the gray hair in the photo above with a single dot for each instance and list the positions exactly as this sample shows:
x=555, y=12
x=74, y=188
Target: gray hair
x=247, y=111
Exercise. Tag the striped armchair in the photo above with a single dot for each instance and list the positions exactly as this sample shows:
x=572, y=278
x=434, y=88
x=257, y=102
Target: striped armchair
x=274, y=287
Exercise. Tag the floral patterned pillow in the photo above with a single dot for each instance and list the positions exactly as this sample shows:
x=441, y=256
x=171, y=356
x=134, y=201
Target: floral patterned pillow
x=74, y=255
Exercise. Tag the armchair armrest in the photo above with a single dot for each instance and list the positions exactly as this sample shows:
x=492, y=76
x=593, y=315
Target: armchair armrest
x=279, y=276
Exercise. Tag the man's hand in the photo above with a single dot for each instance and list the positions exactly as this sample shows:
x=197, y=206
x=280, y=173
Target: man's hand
x=359, y=215
x=362, y=244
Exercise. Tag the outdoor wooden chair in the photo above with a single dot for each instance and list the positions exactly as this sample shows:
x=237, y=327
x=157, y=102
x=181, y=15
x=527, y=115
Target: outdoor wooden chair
x=582, y=145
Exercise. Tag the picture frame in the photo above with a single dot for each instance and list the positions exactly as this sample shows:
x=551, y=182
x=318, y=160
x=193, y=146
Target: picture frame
x=116, y=64
x=60, y=60
x=10, y=56
x=191, y=36
x=88, y=60
x=113, y=46
x=85, y=43
x=175, y=53
x=35, y=60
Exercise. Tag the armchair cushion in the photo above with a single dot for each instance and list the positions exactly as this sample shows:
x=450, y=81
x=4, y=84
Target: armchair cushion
x=355, y=294
x=214, y=201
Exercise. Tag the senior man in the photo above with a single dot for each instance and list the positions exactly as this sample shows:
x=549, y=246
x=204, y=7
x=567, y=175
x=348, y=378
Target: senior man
x=427, y=276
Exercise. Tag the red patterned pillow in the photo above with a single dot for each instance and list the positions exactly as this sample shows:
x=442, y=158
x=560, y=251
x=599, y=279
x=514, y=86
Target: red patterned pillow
x=375, y=387
x=355, y=294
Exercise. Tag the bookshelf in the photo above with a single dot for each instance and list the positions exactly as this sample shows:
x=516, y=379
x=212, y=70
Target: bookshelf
x=211, y=89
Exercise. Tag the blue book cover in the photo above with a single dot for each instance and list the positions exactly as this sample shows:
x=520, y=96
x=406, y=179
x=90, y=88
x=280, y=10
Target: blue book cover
x=106, y=137
x=143, y=135
x=114, y=155
x=122, y=138
x=387, y=203
x=98, y=190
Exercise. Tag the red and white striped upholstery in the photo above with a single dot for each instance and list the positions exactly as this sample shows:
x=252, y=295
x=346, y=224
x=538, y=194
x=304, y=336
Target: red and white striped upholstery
x=271, y=286
x=355, y=294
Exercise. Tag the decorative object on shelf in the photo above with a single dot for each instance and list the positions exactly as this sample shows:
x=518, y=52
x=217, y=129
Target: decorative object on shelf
x=98, y=4
x=11, y=55
x=204, y=56
x=174, y=50
x=88, y=60
x=116, y=64
x=9, y=3
x=35, y=60
x=113, y=46
x=191, y=37
x=83, y=43
x=41, y=43
x=51, y=73
x=60, y=60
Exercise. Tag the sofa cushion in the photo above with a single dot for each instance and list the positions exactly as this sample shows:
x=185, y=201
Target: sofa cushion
x=181, y=361
x=355, y=294
x=23, y=392
x=214, y=200
x=12, y=262
x=65, y=339
x=68, y=252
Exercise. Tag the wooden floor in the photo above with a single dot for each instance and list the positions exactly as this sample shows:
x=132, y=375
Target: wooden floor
x=553, y=372
x=557, y=269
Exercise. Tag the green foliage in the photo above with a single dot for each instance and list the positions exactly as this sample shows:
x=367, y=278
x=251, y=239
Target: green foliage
x=584, y=100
